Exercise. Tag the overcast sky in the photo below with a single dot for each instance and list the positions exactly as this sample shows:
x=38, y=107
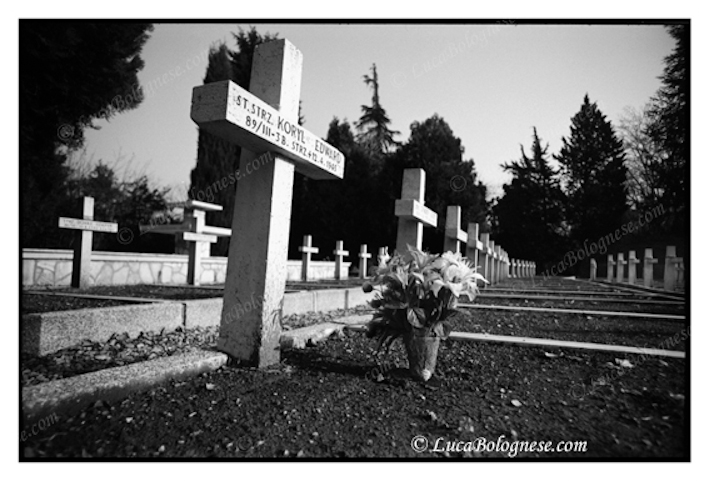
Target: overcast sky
x=491, y=83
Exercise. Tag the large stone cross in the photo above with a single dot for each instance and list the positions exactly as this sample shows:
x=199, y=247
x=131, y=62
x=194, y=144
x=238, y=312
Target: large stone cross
x=83, y=243
x=412, y=213
x=264, y=119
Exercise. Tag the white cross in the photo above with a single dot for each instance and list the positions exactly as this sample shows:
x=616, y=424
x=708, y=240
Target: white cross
x=412, y=213
x=648, y=268
x=199, y=238
x=83, y=243
x=474, y=246
x=484, y=255
x=672, y=263
x=611, y=263
x=363, y=256
x=308, y=250
x=454, y=235
x=620, y=271
x=383, y=256
x=262, y=120
x=632, y=262
x=340, y=253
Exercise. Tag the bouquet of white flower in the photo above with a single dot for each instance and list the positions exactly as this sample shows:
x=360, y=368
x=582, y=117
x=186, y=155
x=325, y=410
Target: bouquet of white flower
x=417, y=293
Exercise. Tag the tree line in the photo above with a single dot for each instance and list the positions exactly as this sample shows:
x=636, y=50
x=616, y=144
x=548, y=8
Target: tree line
x=602, y=177
x=606, y=179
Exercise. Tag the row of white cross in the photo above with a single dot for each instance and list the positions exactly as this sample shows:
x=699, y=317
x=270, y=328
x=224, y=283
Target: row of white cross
x=493, y=261
x=193, y=231
x=674, y=268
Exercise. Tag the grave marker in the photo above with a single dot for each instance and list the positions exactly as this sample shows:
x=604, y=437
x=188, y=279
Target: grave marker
x=611, y=263
x=620, y=270
x=498, y=264
x=308, y=250
x=195, y=232
x=485, y=255
x=264, y=119
x=648, y=268
x=363, y=256
x=83, y=242
x=632, y=272
x=383, y=256
x=492, y=261
x=454, y=235
x=412, y=213
x=672, y=268
x=594, y=269
x=474, y=246
x=340, y=254
x=503, y=264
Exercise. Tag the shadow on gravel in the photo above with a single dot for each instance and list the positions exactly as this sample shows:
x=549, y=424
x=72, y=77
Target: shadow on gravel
x=308, y=360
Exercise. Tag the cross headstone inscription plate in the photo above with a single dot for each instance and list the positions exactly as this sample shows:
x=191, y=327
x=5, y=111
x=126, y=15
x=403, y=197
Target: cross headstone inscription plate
x=233, y=113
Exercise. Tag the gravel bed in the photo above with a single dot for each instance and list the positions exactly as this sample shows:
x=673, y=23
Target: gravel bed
x=121, y=349
x=575, y=327
x=338, y=400
x=562, y=303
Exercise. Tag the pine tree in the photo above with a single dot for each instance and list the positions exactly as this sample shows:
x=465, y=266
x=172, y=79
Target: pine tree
x=669, y=128
x=373, y=125
x=593, y=175
x=71, y=73
x=529, y=217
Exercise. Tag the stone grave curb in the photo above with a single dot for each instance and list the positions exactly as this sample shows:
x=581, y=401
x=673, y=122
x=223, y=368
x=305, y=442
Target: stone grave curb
x=65, y=397
x=44, y=333
x=640, y=289
x=51, y=331
x=309, y=335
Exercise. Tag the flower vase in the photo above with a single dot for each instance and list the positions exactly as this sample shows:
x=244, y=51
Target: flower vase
x=422, y=352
